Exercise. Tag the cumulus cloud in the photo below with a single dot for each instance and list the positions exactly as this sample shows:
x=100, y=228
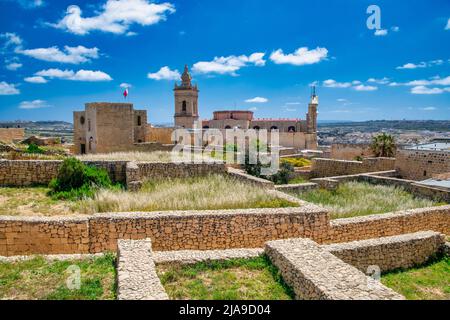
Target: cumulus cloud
x=363, y=87
x=30, y=4
x=301, y=56
x=230, y=64
x=381, y=32
x=35, y=104
x=80, y=75
x=423, y=64
x=73, y=55
x=36, y=79
x=426, y=90
x=7, y=89
x=395, y=28
x=257, y=100
x=330, y=83
x=165, y=74
x=429, y=108
x=447, y=27
x=13, y=66
x=115, y=16
x=384, y=80
x=125, y=85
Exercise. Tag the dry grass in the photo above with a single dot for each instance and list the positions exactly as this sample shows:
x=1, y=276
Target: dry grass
x=156, y=156
x=32, y=201
x=359, y=199
x=203, y=193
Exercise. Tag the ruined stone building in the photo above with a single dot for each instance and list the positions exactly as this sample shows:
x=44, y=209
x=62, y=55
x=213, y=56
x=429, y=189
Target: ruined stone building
x=110, y=127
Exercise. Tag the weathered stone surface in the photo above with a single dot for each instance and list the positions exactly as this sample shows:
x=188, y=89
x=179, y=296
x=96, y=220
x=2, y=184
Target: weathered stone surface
x=314, y=273
x=136, y=274
x=389, y=253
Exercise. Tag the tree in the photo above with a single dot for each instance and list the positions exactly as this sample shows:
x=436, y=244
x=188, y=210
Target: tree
x=383, y=145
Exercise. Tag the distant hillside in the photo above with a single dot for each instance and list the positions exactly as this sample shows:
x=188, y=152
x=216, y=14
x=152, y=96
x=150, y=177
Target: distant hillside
x=376, y=125
x=61, y=129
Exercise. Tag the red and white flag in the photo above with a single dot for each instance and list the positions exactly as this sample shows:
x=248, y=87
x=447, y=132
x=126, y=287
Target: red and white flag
x=125, y=93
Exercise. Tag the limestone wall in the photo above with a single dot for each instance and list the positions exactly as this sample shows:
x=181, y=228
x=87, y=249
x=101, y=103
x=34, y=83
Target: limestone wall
x=330, y=167
x=349, y=151
x=10, y=134
x=316, y=274
x=204, y=230
x=178, y=170
x=421, y=164
x=162, y=135
x=390, y=224
x=389, y=253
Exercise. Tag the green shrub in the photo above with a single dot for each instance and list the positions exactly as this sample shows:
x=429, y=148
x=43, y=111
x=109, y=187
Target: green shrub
x=283, y=175
x=33, y=148
x=76, y=180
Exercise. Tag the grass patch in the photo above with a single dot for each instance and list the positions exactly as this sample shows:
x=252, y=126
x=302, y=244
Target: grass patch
x=235, y=279
x=31, y=201
x=212, y=192
x=428, y=282
x=297, y=162
x=39, y=279
x=298, y=180
x=359, y=198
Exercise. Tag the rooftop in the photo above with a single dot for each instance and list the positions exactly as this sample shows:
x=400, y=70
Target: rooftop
x=435, y=145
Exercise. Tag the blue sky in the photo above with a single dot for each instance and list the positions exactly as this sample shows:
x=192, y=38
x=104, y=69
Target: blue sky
x=249, y=54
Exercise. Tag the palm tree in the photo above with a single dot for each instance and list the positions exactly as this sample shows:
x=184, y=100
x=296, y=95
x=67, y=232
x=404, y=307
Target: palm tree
x=383, y=145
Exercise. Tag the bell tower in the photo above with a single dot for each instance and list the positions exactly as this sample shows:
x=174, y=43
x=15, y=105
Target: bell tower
x=311, y=116
x=186, y=101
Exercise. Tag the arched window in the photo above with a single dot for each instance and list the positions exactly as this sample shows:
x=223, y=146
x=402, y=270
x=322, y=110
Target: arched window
x=82, y=120
x=273, y=128
x=256, y=128
x=291, y=129
x=90, y=143
x=184, y=106
x=89, y=124
x=227, y=127
x=139, y=120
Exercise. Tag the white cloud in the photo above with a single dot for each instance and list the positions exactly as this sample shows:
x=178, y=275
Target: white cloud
x=395, y=28
x=292, y=103
x=257, y=100
x=36, y=79
x=301, y=56
x=342, y=100
x=230, y=64
x=426, y=90
x=384, y=80
x=12, y=39
x=125, y=85
x=381, y=32
x=30, y=4
x=422, y=64
x=35, y=104
x=330, y=83
x=7, y=89
x=80, y=75
x=429, y=108
x=115, y=16
x=362, y=87
x=13, y=66
x=74, y=55
x=447, y=27
x=253, y=109
x=165, y=74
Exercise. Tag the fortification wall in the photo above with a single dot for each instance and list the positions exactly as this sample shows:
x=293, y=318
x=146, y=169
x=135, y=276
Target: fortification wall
x=330, y=167
x=204, y=230
x=161, y=135
x=349, y=151
x=421, y=164
x=10, y=134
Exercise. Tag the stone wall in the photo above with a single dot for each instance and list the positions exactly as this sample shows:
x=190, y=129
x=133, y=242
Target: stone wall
x=161, y=135
x=158, y=170
x=316, y=274
x=389, y=253
x=390, y=224
x=33, y=172
x=136, y=272
x=330, y=167
x=204, y=230
x=421, y=164
x=349, y=151
x=8, y=135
